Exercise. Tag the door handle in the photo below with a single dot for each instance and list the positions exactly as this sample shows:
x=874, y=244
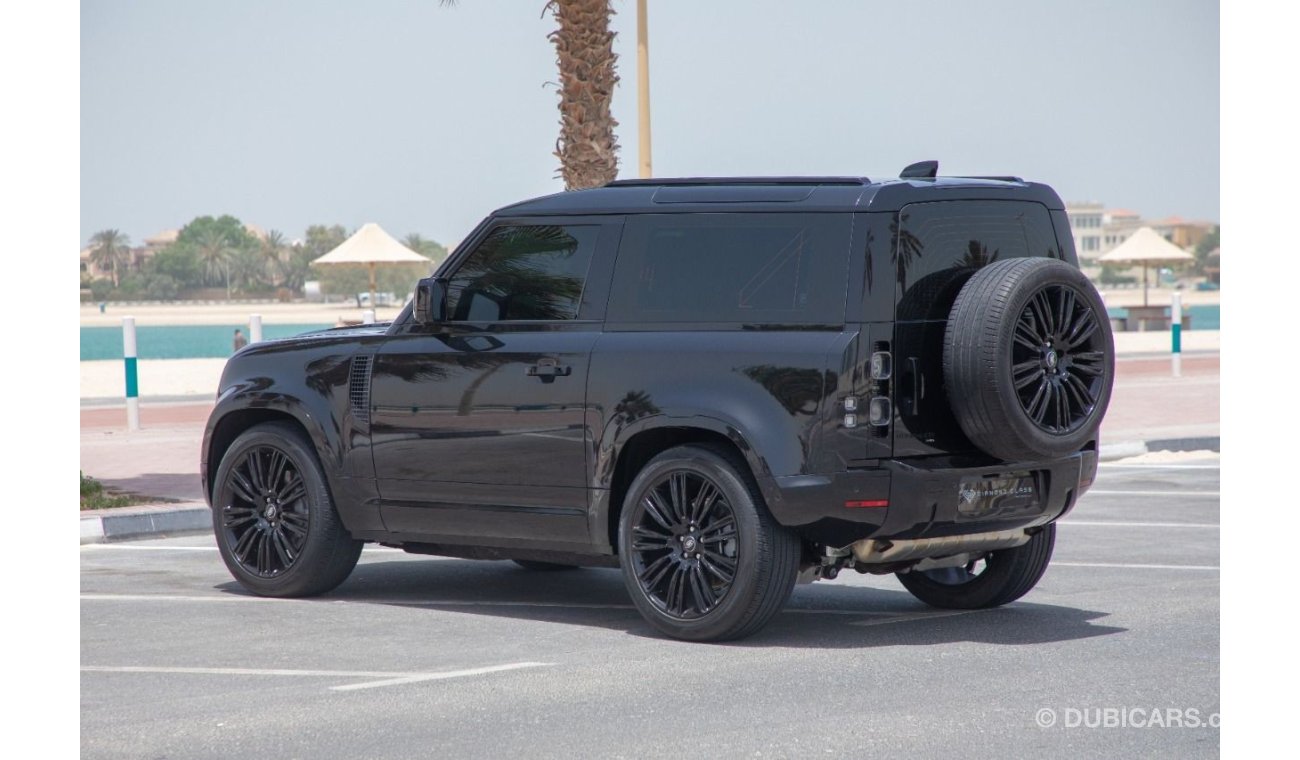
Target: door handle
x=547, y=370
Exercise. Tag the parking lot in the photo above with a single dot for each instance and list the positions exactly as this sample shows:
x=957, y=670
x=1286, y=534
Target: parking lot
x=430, y=657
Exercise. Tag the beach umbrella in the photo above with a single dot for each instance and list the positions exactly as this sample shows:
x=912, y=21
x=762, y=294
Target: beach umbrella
x=1146, y=247
x=370, y=247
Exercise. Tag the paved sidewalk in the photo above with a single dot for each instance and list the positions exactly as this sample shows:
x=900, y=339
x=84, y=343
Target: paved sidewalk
x=1149, y=404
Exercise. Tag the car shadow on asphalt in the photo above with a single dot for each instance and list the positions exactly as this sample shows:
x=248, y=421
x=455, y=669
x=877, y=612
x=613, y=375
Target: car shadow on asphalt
x=827, y=615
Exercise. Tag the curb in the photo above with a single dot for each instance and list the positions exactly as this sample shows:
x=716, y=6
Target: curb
x=1126, y=449
x=1185, y=444
x=1123, y=450
x=103, y=525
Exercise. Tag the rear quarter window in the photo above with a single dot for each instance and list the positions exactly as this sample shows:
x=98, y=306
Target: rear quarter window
x=938, y=246
x=743, y=268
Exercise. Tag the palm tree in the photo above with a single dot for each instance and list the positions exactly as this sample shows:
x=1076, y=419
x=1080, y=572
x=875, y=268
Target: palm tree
x=110, y=249
x=273, y=249
x=215, y=252
x=415, y=241
x=584, y=53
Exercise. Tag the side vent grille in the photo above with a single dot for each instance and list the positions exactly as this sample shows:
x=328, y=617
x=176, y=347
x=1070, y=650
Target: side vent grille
x=359, y=388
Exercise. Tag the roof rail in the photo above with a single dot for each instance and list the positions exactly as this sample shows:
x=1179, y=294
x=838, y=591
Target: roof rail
x=686, y=181
x=996, y=178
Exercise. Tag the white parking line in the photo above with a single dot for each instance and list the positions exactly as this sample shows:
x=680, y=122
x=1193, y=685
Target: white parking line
x=1125, y=524
x=387, y=678
x=1215, y=568
x=1205, y=494
x=1109, y=465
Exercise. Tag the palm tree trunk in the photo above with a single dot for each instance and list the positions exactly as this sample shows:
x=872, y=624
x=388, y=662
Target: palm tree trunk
x=584, y=51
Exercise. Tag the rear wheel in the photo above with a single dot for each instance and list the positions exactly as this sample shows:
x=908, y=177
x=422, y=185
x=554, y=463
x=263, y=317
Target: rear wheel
x=702, y=558
x=999, y=578
x=275, y=522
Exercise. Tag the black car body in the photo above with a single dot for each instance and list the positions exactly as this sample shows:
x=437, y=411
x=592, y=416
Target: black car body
x=795, y=325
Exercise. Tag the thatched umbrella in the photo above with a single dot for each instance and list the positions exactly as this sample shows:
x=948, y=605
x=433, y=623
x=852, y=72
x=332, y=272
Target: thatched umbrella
x=370, y=247
x=1146, y=247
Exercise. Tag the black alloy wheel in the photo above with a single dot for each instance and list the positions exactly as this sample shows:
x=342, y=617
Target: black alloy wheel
x=264, y=511
x=684, y=547
x=274, y=517
x=1058, y=359
x=701, y=555
x=1028, y=360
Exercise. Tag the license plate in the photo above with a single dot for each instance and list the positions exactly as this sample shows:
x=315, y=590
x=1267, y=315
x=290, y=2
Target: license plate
x=1016, y=492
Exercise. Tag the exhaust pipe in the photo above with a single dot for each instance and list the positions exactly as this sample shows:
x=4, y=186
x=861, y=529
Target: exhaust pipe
x=878, y=550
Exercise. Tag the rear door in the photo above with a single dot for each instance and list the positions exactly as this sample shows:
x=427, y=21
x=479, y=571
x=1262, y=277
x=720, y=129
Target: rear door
x=937, y=247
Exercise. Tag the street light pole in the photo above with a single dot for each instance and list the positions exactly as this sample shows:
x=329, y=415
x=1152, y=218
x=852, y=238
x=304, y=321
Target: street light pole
x=643, y=89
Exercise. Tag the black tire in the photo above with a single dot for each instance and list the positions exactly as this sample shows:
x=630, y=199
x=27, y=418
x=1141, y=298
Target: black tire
x=1029, y=359
x=732, y=535
x=542, y=567
x=1008, y=575
x=308, y=551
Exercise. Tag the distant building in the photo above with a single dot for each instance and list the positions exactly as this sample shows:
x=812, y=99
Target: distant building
x=1098, y=230
x=1086, y=221
x=1117, y=225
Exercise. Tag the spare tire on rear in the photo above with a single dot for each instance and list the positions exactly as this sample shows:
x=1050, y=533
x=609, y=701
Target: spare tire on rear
x=1029, y=359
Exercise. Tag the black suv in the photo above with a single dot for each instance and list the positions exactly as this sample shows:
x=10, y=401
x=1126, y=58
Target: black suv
x=721, y=386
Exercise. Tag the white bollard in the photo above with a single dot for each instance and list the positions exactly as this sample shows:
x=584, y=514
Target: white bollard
x=1176, y=333
x=368, y=317
x=255, y=328
x=132, y=375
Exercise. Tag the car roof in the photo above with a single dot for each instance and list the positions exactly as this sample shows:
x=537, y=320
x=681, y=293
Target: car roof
x=778, y=194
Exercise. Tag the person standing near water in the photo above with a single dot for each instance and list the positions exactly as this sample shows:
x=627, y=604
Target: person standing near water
x=240, y=340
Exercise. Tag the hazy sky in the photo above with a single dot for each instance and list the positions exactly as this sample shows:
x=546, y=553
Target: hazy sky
x=424, y=118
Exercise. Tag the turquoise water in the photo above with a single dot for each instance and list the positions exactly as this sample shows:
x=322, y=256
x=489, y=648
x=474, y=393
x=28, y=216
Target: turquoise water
x=177, y=341
x=1204, y=316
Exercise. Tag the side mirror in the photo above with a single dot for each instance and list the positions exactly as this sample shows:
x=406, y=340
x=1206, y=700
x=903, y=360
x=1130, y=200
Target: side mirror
x=430, y=301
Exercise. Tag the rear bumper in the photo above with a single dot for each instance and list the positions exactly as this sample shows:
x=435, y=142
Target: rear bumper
x=921, y=498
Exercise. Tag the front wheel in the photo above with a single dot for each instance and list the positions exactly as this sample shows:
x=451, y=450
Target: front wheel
x=992, y=581
x=276, y=525
x=702, y=558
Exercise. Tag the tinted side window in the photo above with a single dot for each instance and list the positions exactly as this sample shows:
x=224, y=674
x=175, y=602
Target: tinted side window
x=523, y=272
x=732, y=268
x=939, y=245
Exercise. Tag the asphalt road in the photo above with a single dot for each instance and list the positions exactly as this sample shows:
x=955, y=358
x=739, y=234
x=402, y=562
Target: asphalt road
x=426, y=657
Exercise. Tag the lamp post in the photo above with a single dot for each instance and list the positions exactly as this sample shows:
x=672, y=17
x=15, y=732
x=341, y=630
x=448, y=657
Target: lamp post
x=643, y=90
